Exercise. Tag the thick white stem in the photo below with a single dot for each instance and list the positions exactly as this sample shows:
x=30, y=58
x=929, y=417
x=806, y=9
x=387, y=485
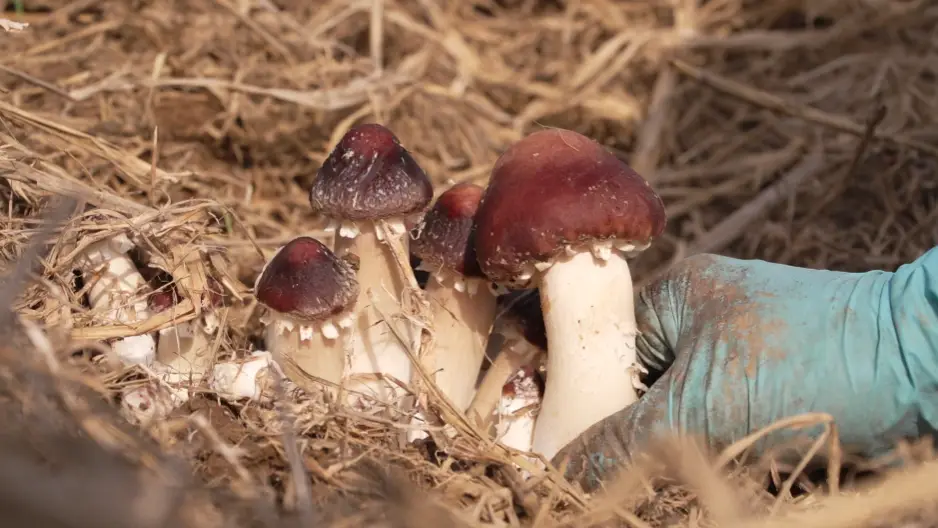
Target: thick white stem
x=374, y=348
x=302, y=356
x=590, y=320
x=462, y=321
x=116, y=289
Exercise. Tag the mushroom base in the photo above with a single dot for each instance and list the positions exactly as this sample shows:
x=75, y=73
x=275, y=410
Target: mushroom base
x=247, y=378
x=589, y=316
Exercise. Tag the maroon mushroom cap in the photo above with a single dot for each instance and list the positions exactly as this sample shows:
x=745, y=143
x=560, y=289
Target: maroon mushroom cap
x=307, y=281
x=162, y=300
x=446, y=239
x=168, y=296
x=370, y=176
x=555, y=188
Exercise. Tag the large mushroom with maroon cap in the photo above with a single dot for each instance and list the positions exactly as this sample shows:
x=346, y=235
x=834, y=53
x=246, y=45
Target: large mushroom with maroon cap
x=310, y=296
x=561, y=213
x=370, y=188
x=461, y=301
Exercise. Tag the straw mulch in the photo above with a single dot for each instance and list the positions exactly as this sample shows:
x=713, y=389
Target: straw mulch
x=797, y=132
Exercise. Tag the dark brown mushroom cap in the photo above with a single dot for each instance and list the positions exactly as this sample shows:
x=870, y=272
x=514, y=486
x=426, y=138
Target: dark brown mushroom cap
x=307, y=281
x=521, y=310
x=446, y=238
x=168, y=296
x=369, y=176
x=554, y=188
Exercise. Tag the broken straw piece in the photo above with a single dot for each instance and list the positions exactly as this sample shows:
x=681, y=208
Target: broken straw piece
x=11, y=26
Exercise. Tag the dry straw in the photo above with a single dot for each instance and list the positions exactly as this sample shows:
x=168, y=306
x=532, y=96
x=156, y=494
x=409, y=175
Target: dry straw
x=795, y=132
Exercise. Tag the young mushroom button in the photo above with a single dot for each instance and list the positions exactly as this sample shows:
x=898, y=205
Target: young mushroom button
x=561, y=213
x=370, y=188
x=310, y=295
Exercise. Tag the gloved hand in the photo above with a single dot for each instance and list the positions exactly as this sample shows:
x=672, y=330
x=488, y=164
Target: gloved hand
x=741, y=344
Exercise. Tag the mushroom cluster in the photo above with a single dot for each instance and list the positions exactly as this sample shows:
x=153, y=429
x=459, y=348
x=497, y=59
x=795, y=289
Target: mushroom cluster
x=560, y=217
x=557, y=222
x=555, y=226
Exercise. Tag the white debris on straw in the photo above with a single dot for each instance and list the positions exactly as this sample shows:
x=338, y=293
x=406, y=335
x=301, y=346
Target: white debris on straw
x=11, y=26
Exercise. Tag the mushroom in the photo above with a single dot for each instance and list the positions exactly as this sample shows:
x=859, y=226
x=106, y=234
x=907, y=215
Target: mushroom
x=183, y=352
x=183, y=355
x=518, y=408
x=461, y=301
x=562, y=213
x=369, y=182
x=310, y=296
x=243, y=379
x=116, y=289
x=151, y=401
x=521, y=327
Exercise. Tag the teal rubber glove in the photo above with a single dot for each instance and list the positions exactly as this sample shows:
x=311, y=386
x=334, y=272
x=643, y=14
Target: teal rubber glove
x=741, y=344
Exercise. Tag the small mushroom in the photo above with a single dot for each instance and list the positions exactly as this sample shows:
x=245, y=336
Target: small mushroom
x=118, y=290
x=369, y=179
x=561, y=213
x=183, y=357
x=462, y=303
x=183, y=352
x=243, y=379
x=518, y=408
x=310, y=297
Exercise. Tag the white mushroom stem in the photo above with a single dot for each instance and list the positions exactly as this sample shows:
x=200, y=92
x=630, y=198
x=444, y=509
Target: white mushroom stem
x=244, y=379
x=374, y=347
x=184, y=353
x=517, y=411
x=307, y=351
x=590, y=321
x=116, y=287
x=463, y=311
